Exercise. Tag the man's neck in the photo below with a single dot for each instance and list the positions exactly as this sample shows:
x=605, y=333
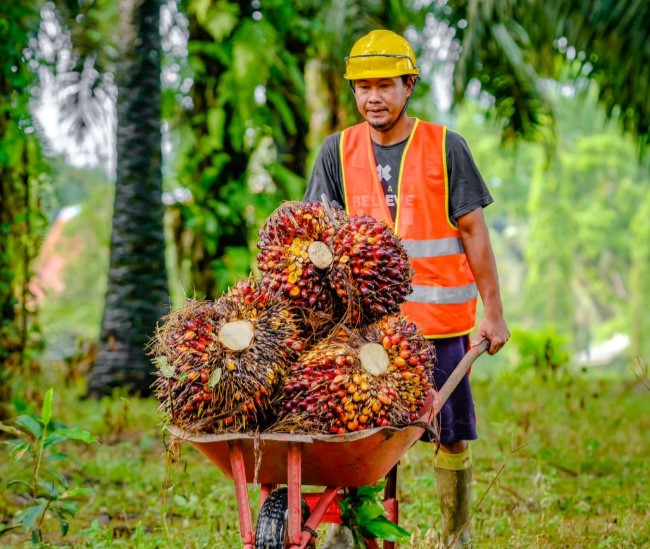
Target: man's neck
x=398, y=133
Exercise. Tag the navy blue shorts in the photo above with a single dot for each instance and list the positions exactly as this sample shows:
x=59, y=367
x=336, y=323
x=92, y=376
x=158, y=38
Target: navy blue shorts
x=457, y=419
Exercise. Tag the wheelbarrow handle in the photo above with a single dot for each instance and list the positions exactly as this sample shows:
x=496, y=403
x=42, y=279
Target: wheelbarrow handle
x=459, y=373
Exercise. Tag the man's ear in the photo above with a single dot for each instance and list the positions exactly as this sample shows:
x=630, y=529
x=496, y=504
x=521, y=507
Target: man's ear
x=410, y=85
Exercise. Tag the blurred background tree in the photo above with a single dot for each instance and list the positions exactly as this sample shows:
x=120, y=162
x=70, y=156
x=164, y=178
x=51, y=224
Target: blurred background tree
x=137, y=290
x=22, y=176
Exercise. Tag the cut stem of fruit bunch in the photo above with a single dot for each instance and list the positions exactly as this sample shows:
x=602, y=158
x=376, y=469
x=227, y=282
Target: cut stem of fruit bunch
x=236, y=335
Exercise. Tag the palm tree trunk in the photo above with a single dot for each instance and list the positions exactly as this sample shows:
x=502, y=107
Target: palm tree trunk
x=137, y=290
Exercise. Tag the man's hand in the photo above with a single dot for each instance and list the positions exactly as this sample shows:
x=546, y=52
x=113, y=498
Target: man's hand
x=494, y=330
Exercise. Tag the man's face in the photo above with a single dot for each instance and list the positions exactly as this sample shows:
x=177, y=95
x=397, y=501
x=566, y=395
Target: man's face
x=381, y=100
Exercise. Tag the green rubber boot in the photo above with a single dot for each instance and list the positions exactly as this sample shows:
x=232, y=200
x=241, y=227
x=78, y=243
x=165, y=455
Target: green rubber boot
x=454, y=488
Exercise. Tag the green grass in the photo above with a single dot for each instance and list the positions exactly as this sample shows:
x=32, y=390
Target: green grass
x=561, y=463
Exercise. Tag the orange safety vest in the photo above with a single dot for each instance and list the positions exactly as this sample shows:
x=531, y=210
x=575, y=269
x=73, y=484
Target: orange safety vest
x=443, y=301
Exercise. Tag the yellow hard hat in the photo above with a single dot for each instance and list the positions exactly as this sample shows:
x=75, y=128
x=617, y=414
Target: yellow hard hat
x=380, y=54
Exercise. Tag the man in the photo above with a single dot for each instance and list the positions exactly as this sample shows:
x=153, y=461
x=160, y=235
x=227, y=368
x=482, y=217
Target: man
x=421, y=179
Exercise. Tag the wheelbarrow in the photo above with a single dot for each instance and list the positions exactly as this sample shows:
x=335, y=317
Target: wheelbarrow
x=331, y=461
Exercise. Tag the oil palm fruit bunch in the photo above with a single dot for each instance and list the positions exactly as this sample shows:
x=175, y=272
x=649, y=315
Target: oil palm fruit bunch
x=294, y=254
x=355, y=379
x=371, y=273
x=221, y=362
x=321, y=259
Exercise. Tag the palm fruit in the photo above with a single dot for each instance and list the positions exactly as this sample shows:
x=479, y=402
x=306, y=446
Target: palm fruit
x=221, y=362
x=357, y=379
x=371, y=273
x=294, y=254
x=249, y=291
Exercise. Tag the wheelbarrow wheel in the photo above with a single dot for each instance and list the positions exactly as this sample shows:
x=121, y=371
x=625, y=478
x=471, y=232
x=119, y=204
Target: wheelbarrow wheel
x=272, y=524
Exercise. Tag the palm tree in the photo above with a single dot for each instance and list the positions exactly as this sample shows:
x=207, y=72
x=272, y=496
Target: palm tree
x=137, y=284
x=510, y=47
x=81, y=51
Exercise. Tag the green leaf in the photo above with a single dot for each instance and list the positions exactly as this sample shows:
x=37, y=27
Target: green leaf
x=67, y=507
x=46, y=413
x=18, y=481
x=30, y=424
x=214, y=378
x=166, y=369
x=284, y=110
x=368, y=511
x=54, y=438
x=18, y=448
x=74, y=433
x=292, y=183
x=221, y=20
x=358, y=539
x=56, y=457
x=383, y=528
x=369, y=492
x=48, y=487
x=28, y=517
x=216, y=121
x=75, y=492
x=59, y=476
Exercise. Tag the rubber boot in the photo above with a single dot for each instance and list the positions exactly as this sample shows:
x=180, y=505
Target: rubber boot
x=454, y=492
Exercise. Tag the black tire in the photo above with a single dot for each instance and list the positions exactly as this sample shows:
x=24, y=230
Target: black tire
x=272, y=524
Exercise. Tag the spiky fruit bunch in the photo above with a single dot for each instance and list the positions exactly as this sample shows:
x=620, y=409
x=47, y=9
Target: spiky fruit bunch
x=371, y=273
x=358, y=379
x=221, y=362
x=294, y=256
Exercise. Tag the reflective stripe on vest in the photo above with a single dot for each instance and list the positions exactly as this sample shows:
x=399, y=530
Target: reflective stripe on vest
x=443, y=302
x=438, y=294
x=430, y=248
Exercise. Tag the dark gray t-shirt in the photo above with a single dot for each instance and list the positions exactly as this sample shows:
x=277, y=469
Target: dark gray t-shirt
x=467, y=190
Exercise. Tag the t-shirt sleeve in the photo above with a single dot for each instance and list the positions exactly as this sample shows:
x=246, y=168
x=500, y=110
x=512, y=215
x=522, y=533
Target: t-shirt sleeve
x=326, y=177
x=467, y=190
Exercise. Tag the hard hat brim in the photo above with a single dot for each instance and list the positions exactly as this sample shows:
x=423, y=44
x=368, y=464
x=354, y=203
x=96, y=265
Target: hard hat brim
x=366, y=75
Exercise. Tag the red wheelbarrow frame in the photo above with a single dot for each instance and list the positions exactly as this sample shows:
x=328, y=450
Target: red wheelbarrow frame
x=333, y=461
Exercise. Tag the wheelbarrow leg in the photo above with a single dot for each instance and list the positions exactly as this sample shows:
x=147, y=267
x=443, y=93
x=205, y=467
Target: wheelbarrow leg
x=390, y=501
x=294, y=485
x=241, y=490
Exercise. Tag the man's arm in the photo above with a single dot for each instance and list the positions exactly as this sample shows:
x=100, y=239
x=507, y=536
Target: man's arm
x=326, y=175
x=476, y=241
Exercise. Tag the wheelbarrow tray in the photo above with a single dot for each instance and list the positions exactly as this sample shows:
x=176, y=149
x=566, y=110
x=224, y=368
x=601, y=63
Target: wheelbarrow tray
x=351, y=459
